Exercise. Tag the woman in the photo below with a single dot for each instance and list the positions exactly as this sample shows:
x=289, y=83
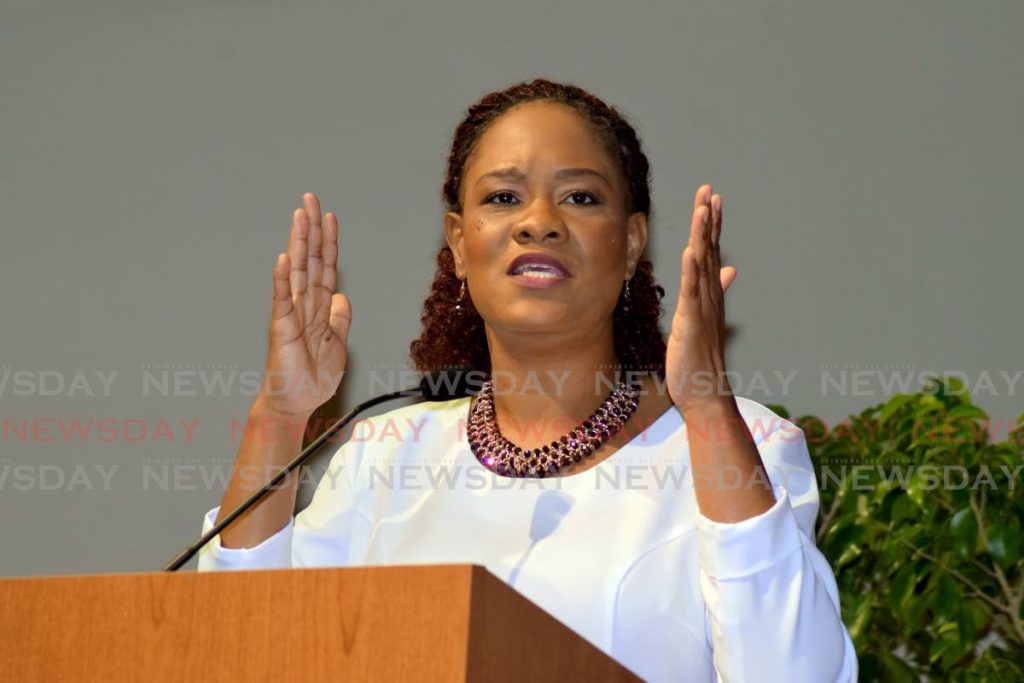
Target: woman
x=542, y=284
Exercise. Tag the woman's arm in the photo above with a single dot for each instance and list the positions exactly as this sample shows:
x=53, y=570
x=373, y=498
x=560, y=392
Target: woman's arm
x=773, y=606
x=306, y=358
x=270, y=441
x=772, y=599
x=319, y=536
x=721, y=451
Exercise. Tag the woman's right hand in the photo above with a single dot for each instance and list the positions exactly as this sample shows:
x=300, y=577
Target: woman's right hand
x=309, y=323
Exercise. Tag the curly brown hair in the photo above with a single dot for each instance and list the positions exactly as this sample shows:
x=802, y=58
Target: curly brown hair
x=452, y=337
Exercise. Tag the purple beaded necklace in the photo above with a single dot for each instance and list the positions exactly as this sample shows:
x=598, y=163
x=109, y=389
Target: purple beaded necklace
x=503, y=457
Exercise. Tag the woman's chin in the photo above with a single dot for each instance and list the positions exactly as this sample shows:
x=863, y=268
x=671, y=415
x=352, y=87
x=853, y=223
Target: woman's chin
x=534, y=316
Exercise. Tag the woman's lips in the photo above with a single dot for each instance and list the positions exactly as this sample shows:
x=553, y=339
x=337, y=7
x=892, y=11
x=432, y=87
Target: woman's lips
x=538, y=271
x=538, y=281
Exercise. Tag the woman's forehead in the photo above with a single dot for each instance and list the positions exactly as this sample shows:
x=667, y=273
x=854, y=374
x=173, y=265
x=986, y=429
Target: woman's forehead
x=539, y=135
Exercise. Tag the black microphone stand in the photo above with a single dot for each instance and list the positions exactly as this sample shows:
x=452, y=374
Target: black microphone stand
x=187, y=554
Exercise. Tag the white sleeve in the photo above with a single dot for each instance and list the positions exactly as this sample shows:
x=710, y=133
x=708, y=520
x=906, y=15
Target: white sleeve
x=322, y=535
x=772, y=600
x=273, y=553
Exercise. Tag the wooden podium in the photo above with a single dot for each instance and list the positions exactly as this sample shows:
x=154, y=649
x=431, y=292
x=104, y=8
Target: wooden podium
x=394, y=623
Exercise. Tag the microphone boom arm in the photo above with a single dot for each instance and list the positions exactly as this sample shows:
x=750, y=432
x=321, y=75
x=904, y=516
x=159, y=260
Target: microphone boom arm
x=189, y=552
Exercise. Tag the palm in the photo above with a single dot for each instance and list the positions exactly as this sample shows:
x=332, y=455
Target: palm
x=309, y=322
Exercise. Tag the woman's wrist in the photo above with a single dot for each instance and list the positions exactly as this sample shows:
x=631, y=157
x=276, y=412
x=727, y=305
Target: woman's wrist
x=264, y=411
x=710, y=408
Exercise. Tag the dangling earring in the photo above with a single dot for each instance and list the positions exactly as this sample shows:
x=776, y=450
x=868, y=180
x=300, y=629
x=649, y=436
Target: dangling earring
x=462, y=293
x=625, y=299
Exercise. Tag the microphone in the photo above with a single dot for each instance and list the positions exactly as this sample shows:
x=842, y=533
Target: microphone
x=442, y=385
x=552, y=507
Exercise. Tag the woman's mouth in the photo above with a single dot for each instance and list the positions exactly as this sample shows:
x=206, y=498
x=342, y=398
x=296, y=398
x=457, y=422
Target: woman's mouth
x=538, y=271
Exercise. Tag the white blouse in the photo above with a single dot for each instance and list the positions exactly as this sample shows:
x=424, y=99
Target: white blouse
x=620, y=552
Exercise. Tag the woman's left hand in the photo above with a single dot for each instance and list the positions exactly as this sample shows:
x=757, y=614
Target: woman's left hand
x=695, y=359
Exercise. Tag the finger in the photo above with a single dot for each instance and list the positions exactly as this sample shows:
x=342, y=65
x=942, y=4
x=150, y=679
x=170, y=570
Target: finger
x=703, y=196
x=696, y=226
x=314, y=241
x=312, y=206
x=707, y=263
x=700, y=238
x=298, y=250
x=282, y=303
x=330, y=253
x=689, y=286
x=728, y=276
x=714, y=253
x=316, y=238
x=687, y=319
x=716, y=222
x=341, y=316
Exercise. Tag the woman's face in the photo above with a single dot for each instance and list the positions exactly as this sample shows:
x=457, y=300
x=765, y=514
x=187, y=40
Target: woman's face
x=540, y=183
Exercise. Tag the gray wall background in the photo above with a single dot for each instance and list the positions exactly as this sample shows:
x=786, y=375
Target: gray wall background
x=869, y=154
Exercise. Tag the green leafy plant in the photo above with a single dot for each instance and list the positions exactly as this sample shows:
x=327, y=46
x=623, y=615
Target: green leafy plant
x=921, y=519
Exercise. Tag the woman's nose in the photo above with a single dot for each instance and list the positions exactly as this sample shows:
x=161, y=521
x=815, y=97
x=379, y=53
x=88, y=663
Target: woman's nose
x=541, y=222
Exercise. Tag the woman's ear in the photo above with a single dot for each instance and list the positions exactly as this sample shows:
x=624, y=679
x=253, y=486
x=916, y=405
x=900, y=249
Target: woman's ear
x=636, y=240
x=453, y=236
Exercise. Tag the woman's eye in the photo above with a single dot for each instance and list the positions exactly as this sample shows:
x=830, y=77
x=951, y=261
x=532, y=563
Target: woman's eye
x=582, y=197
x=507, y=197
x=577, y=197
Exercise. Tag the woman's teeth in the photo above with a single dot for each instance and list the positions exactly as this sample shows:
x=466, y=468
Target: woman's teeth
x=537, y=271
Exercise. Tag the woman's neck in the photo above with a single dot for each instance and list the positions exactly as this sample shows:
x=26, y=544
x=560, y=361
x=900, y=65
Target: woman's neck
x=542, y=392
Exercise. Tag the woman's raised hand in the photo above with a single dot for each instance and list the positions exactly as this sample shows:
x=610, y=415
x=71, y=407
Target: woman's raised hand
x=309, y=322
x=695, y=357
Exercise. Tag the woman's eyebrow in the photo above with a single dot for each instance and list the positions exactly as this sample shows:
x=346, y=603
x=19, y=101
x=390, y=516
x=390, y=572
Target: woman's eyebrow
x=577, y=172
x=513, y=173
x=509, y=173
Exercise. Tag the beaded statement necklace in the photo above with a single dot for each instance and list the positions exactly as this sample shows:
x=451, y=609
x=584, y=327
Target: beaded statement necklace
x=503, y=457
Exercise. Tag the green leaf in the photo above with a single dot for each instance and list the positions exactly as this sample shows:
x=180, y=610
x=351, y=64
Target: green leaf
x=913, y=617
x=1004, y=545
x=966, y=626
x=1003, y=665
x=918, y=487
x=964, y=527
x=946, y=601
x=849, y=554
x=902, y=587
x=843, y=542
x=896, y=670
x=935, y=451
x=953, y=654
x=940, y=646
x=950, y=635
x=980, y=614
x=967, y=410
x=894, y=404
x=903, y=509
x=861, y=623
